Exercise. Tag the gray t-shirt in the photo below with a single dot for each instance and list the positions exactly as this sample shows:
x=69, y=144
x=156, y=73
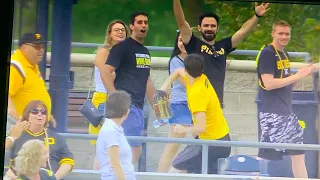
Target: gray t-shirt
x=112, y=135
x=178, y=94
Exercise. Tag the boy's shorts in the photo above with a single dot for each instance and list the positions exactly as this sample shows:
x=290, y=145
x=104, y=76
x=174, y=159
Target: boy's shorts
x=190, y=159
x=277, y=128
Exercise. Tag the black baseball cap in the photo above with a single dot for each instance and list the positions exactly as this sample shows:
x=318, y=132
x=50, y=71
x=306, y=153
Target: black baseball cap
x=32, y=38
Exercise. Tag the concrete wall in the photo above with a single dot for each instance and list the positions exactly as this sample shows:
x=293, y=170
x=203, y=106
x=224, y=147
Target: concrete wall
x=240, y=110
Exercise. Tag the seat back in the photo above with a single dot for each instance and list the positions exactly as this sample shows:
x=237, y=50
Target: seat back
x=242, y=165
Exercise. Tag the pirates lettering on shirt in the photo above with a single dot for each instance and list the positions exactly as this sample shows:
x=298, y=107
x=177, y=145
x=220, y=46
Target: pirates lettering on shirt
x=143, y=60
x=211, y=51
x=284, y=65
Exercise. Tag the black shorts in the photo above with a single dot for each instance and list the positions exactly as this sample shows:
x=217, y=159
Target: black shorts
x=190, y=159
x=277, y=128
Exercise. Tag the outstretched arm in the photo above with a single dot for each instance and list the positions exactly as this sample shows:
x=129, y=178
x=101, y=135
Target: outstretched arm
x=185, y=30
x=248, y=26
x=179, y=72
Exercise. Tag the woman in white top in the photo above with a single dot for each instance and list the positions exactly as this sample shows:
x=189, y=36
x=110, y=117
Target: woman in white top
x=113, y=150
x=116, y=32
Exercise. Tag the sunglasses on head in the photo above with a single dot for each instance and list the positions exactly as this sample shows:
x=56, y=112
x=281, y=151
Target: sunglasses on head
x=36, y=111
x=36, y=46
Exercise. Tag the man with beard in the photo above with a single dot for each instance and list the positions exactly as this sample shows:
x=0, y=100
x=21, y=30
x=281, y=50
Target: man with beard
x=214, y=52
x=130, y=60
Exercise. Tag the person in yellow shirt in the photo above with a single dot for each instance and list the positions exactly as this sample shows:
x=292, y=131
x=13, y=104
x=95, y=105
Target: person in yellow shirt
x=25, y=81
x=208, y=119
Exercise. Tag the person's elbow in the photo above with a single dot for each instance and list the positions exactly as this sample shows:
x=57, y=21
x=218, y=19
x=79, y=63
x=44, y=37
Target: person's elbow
x=268, y=83
x=201, y=122
x=106, y=71
x=201, y=129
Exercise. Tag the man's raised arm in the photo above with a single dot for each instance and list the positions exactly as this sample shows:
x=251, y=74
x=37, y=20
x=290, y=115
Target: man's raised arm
x=184, y=27
x=249, y=25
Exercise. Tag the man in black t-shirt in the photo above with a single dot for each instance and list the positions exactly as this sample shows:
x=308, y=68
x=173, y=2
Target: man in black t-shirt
x=130, y=60
x=214, y=52
x=278, y=123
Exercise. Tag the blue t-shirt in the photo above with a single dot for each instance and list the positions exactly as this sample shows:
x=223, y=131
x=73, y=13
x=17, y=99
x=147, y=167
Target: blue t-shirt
x=112, y=135
x=279, y=100
x=132, y=63
x=178, y=93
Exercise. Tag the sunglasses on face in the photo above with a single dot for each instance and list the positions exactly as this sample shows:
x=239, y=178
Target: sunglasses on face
x=37, y=111
x=36, y=46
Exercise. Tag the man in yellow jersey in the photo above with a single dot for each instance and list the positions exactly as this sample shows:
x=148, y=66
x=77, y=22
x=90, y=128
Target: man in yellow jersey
x=208, y=119
x=26, y=83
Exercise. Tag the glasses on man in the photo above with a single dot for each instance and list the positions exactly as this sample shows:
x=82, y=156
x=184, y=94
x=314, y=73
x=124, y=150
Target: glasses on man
x=37, y=111
x=36, y=46
x=118, y=30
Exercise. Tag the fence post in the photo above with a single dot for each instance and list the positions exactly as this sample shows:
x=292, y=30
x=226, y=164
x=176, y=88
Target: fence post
x=142, y=166
x=60, y=61
x=204, y=159
x=42, y=28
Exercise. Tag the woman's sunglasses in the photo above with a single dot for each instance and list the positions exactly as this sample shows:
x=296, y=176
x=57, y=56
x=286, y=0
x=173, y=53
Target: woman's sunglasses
x=36, y=111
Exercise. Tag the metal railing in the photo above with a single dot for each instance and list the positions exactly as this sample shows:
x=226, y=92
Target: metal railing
x=204, y=143
x=305, y=55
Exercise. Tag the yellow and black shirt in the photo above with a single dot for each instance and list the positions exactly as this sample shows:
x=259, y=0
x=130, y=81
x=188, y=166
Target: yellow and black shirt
x=272, y=61
x=44, y=175
x=58, y=150
x=215, y=57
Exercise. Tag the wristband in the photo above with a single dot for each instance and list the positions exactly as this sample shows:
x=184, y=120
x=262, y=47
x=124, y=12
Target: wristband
x=257, y=15
x=11, y=138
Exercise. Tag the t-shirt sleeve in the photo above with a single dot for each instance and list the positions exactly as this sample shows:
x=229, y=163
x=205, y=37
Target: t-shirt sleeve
x=111, y=138
x=267, y=62
x=65, y=155
x=227, y=44
x=115, y=56
x=198, y=101
x=15, y=80
x=175, y=63
x=192, y=45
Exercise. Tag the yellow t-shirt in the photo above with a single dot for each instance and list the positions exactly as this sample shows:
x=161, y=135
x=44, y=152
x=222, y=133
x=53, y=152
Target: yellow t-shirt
x=202, y=98
x=24, y=90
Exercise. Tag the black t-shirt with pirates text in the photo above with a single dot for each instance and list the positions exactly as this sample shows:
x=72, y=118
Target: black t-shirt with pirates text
x=215, y=60
x=132, y=63
x=277, y=100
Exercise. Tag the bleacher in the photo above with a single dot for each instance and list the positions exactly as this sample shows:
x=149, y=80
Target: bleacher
x=76, y=121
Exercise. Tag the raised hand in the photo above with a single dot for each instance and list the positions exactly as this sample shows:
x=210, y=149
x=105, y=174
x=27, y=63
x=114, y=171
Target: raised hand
x=261, y=9
x=306, y=71
x=17, y=129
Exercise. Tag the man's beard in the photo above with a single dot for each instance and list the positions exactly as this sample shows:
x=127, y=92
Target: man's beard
x=208, y=37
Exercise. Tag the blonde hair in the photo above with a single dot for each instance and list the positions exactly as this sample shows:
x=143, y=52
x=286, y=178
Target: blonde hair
x=280, y=23
x=109, y=42
x=27, y=161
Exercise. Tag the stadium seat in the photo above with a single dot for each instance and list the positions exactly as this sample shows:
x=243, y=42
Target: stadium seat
x=242, y=165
